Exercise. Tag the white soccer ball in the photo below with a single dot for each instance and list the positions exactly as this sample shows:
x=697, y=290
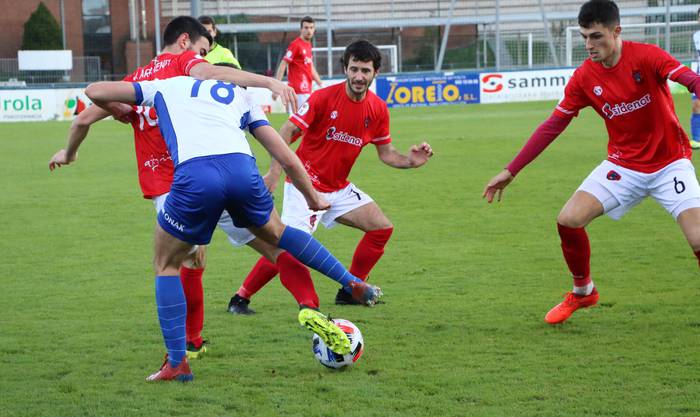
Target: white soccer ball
x=334, y=360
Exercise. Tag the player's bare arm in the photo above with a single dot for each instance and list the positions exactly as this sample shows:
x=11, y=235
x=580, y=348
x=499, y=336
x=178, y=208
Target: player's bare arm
x=288, y=131
x=207, y=71
x=316, y=77
x=103, y=93
x=78, y=131
x=417, y=156
x=289, y=161
x=281, y=69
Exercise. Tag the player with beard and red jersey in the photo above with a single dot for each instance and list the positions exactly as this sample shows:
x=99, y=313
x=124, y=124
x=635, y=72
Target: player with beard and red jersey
x=186, y=41
x=648, y=151
x=299, y=63
x=337, y=123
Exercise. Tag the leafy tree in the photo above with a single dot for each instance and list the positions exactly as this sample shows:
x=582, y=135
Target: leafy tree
x=42, y=31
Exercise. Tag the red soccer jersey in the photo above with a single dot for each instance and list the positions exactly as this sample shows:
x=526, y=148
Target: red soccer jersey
x=152, y=157
x=633, y=98
x=335, y=131
x=300, y=60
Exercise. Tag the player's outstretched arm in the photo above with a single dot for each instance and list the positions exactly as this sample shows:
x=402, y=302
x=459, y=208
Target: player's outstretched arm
x=78, y=132
x=315, y=76
x=542, y=137
x=417, y=156
x=207, y=71
x=280, y=151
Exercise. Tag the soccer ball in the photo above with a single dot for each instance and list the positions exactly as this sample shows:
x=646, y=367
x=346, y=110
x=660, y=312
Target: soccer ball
x=330, y=359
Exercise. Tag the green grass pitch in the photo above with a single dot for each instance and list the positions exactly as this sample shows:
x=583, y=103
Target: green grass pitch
x=467, y=286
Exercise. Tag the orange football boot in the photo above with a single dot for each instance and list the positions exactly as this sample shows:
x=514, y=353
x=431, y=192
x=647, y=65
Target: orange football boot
x=572, y=302
x=167, y=373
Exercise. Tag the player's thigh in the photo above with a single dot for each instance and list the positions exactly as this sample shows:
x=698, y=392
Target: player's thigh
x=269, y=251
x=169, y=252
x=676, y=187
x=580, y=210
x=296, y=212
x=270, y=232
x=366, y=218
x=248, y=201
x=689, y=221
x=353, y=207
x=617, y=189
x=194, y=204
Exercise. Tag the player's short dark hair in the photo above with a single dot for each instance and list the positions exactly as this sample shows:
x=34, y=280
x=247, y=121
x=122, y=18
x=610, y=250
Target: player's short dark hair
x=306, y=19
x=604, y=12
x=185, y=24
x=363, y=51
x=207, y=20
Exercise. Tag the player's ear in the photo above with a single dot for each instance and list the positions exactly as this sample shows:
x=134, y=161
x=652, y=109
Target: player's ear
x=182, y=40
x=617, y=30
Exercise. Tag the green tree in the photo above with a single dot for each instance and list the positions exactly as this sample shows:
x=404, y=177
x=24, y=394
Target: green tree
x=42, y=31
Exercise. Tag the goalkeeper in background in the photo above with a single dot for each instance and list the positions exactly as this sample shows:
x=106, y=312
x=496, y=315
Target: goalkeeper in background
x=217, y=53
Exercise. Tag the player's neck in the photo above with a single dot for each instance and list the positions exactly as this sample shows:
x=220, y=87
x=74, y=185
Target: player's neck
x=171, y=49
x=615, y=57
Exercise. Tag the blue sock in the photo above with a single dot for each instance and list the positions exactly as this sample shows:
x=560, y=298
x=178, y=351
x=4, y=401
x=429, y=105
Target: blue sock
x=695, y=126
x=172, y=312
x=314, y=255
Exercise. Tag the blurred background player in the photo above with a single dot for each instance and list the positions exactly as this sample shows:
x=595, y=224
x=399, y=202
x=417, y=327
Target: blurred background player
x=648, y=151
x=216, y=172
x=299, y=64
x=217, y=53
x=695, y=115
x=337, y=122
x=185, y=40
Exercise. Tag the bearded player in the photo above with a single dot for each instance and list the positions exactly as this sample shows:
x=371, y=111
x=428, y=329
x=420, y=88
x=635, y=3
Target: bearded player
x=337, y=122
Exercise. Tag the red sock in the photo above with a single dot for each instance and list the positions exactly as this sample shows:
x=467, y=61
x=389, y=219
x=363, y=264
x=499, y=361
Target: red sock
x=368, y=252
x=296, y=278
x=697, y=255
x=259, y=276
x=194, y=294
x=577, y=252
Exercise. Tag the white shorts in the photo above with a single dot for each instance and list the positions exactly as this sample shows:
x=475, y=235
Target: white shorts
x=618, y=189
x=301, y=99
x=296, y=213
x=236, y=235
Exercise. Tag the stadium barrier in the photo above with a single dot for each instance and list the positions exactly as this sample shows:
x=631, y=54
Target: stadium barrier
x=398, y=91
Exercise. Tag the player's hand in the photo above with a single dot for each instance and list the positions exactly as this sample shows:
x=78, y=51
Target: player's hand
x=61, y=158
x=319, y=203
x=285, y=92
x=271, y=180
x=497, y=184
x=121, y=111
x=419, y=154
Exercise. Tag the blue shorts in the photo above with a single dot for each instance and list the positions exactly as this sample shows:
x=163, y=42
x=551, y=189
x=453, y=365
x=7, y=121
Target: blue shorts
x=206, y=186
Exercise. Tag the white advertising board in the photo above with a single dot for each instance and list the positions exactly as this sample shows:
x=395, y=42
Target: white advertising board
x=45, y=60
x=41, y=105
x=501, y=87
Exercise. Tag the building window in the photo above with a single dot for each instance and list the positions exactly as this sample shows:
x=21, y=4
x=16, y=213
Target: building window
x=97, y=32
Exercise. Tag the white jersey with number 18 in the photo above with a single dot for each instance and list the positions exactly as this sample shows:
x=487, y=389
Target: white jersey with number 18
x=201, y=117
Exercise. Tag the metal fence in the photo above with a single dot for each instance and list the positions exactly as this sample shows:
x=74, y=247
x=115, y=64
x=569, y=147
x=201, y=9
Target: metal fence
x=85, y=69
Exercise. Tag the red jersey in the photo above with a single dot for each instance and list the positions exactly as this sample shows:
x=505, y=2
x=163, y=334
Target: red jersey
x=335, y=131
x=633, y=98
x=300, y=62
x=152, y=157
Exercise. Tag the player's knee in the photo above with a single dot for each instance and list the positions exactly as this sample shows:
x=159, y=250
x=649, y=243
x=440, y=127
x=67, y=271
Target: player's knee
x=568, y=219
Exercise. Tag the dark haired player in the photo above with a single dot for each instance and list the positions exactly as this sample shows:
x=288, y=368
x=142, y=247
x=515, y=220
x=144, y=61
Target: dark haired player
x=648, y=151
x=299, y=64
x=186, y=41
x=337, y=122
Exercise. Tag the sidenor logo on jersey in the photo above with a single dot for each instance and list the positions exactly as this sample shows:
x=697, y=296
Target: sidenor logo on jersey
x=332, y=134
x=623, y=108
